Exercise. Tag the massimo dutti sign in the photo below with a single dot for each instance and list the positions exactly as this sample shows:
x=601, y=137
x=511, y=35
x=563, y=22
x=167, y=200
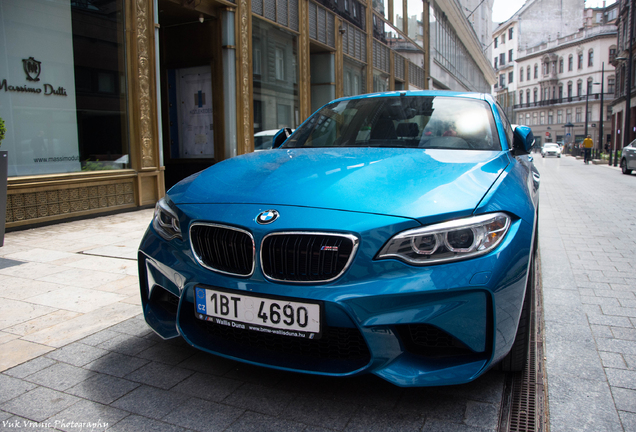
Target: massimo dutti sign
x=32, y=69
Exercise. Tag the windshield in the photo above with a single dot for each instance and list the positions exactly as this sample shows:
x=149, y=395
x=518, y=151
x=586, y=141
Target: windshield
x=435, y=122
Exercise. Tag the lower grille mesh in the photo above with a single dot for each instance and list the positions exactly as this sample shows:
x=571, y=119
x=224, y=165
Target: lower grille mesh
x=428, y=340
x=339, y=350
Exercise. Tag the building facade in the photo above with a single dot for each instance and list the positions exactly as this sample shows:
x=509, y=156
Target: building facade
x=535, y=23
x=561, y=83
x=623, y=124
x=108, y=103
x=505, y=49
x=457, y=61
x=479, y=14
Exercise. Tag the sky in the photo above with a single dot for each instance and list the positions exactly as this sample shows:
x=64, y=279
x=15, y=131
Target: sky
x=504, y=9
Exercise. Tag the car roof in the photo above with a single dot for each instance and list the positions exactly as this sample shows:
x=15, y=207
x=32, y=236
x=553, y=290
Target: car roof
x=447, y=93
x=269, y=132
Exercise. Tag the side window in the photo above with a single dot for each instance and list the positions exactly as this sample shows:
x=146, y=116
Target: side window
x=506, y=126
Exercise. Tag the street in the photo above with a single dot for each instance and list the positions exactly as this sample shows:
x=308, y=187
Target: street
x=75, y=353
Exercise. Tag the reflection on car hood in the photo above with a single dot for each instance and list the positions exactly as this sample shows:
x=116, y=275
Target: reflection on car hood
x=411, y=183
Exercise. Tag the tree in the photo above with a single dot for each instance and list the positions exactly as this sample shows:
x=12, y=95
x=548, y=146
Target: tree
x=3, y=130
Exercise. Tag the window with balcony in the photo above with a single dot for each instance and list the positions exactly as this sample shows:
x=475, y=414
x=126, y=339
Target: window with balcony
x=579, y=88
x=570, y=89
x=535, y=95
x=560, y=92
x=521, y=97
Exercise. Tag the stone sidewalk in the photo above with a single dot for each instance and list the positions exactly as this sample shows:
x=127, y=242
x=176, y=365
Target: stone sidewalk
x=587, y=230
x=75, y=354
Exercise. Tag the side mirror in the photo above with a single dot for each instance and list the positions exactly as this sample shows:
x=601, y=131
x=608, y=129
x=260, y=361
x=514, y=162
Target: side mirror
x=280, y=137
x=523, y=140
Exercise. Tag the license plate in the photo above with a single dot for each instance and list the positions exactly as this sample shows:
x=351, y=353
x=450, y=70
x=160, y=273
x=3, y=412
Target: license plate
x=259, y=314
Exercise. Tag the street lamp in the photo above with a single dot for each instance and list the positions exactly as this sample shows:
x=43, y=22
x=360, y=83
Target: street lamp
x=587, y=98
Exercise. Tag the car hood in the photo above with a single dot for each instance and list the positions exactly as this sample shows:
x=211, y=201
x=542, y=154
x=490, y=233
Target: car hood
x=412, y=183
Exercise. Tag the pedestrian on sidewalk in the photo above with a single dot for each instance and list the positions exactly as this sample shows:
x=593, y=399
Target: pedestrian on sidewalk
x=588, y=144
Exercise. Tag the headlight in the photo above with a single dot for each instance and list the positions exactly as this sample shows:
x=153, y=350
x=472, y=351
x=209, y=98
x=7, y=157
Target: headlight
x=165, y=221
x=448, y=241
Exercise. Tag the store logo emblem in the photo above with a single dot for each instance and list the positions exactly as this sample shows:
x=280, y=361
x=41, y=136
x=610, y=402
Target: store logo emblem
x=32, y=68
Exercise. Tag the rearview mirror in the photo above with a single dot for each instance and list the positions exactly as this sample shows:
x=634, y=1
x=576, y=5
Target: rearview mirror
x=523, y=140
x=280, y=137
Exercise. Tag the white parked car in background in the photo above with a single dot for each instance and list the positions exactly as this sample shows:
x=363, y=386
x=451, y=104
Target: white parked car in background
x=551, y=149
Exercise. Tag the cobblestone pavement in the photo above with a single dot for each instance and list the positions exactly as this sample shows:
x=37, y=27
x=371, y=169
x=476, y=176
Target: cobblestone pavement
x=75, y=354
x=587, y=243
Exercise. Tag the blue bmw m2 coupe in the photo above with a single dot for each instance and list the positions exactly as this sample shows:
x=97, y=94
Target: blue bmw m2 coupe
x=390, y=233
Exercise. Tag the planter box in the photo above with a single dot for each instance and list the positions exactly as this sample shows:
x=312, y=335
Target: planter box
x=4, y=171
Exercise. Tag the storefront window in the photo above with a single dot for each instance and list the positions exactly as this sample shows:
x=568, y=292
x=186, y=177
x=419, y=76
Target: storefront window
x=63, y=85
x=276, y=101
x=354, y=78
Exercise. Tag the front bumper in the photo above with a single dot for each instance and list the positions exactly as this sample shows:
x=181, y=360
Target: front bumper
x=413, y=326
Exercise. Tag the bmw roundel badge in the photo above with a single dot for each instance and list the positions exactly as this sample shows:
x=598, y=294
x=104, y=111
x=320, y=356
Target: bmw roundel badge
x=267, y=217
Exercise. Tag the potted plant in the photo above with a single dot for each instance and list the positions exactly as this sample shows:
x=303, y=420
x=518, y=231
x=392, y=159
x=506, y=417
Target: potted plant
x=4, y=169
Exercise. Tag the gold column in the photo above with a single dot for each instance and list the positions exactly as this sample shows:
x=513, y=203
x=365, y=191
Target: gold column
x=339, y=59
x=143, y=122
x=369, y=46
x=304, y=83
x=244, y=89
x=142, y=48
x=427, y=43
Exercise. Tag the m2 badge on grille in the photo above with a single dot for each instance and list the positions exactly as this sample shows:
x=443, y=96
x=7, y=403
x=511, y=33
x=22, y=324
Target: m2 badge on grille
x=259, y=314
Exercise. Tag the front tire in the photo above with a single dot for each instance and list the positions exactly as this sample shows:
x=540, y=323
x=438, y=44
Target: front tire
x=516, y=359
x=624, y=167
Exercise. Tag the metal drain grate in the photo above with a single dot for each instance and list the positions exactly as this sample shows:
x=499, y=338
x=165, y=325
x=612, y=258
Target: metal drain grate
x=524, y=406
